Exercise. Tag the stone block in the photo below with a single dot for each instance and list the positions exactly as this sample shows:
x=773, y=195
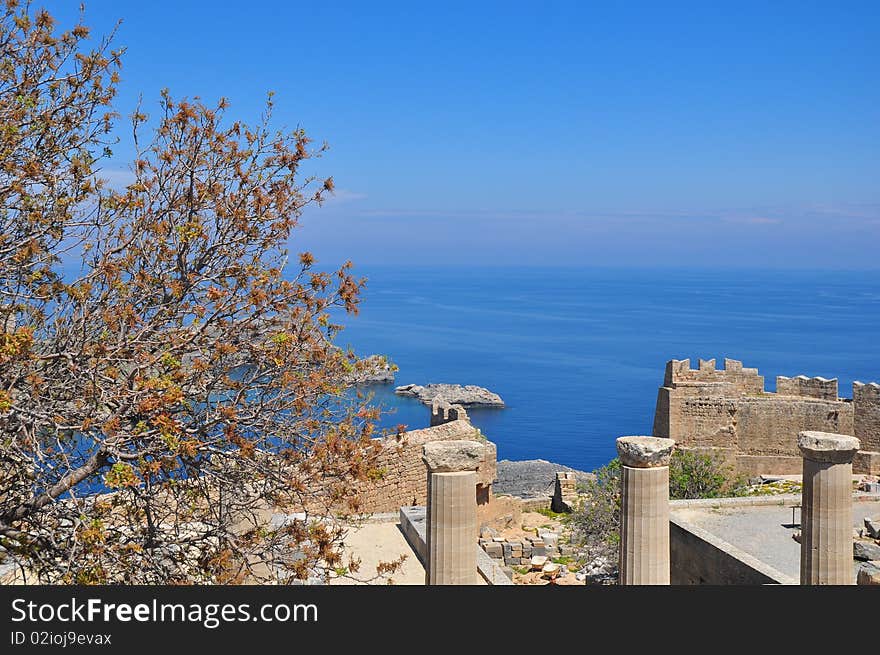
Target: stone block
x=551, y=539
x=538, y=561
x=494, y=550
x=866, y=550
x=869, y=574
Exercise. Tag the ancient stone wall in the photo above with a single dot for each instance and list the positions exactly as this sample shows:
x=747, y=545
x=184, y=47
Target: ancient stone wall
x=402, y=476
x=740, y=380
x=808, y=387
x=442, y=412
x=698, y=557
x=770, y=425
x=866, y=405
x=730, y=412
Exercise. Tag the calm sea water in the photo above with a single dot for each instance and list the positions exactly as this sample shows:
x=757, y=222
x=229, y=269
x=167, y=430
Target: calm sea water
x=578, y=354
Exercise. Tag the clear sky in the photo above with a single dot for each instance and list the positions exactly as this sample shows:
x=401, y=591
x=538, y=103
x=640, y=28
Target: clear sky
x=545, y=133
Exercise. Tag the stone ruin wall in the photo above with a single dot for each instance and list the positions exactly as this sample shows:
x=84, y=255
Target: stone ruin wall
x=740, y=380
x=405, y=478
x=866, y=423
x=807, y=387
x=728, y=411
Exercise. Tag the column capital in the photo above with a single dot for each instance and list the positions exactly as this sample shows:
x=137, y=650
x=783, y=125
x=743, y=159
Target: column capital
x=644, y=452
x=827, y=446
x=452, y=456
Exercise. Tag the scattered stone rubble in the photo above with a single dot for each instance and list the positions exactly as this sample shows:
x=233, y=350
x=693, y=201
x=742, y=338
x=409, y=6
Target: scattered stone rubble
x=519, y=551
x=866, y=549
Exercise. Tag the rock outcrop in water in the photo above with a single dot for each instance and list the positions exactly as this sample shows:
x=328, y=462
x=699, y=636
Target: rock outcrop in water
x=375, y=369
x=454, y=394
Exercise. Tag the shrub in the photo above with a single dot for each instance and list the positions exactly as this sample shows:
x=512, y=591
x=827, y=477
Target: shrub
x=595, y=524
x=700, y=475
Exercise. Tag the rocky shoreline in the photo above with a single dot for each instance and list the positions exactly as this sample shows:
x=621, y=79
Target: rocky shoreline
x=531, y=478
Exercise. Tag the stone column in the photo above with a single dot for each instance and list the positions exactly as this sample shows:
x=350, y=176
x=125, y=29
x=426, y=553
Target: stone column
x=826, y=512
x=644, y=511
x=452, y=511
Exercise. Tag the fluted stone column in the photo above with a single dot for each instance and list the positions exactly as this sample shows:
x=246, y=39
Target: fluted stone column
x=644, y=511
x=452, y=511
x=826, y=512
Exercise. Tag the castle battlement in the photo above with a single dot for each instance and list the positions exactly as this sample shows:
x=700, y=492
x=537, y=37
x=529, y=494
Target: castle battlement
x=817, y=387
x=444, y=412
x=728, y=411
x=740, y=379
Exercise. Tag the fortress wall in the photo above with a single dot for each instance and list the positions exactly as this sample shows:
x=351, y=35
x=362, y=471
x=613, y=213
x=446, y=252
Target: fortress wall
x=770, y=425
x=807, y=387
x=742, y=380
x=702, y=421
x=728, y=410
x=661, y=413
x=754, y=465
x=404, y=476
x=866, y=422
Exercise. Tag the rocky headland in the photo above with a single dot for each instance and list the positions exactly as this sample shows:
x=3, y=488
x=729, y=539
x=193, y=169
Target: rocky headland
x=531, y=478
x=454, y=394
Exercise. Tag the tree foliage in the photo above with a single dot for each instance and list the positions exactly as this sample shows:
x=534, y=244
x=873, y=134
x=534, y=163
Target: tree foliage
x=693, y=474
x=595, y=523
x=158, y=344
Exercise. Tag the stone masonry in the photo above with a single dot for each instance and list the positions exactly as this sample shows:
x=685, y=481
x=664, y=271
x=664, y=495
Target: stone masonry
x=564, y=492
x=729, y=412
x=402, y=480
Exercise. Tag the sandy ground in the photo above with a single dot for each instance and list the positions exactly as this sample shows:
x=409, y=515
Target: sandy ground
x=382, y=541
x=377, y=542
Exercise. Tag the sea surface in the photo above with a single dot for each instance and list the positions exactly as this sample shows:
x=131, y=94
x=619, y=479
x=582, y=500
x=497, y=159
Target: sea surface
x=578, y=354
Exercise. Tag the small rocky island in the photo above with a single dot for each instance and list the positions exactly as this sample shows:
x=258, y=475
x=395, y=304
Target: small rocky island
x=374, y=369
x=454, y=394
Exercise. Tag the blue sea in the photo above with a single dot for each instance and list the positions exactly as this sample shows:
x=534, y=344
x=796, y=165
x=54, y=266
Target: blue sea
x=578, y=354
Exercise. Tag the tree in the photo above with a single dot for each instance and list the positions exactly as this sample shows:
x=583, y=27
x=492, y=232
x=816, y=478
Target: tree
x=159, y=405
x=595, y=523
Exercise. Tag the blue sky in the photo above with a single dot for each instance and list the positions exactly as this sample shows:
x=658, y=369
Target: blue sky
x=551, y=133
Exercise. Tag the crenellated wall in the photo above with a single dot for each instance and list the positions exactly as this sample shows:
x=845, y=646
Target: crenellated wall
x=728, y=411
x=807, y=387
x=733, y=376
